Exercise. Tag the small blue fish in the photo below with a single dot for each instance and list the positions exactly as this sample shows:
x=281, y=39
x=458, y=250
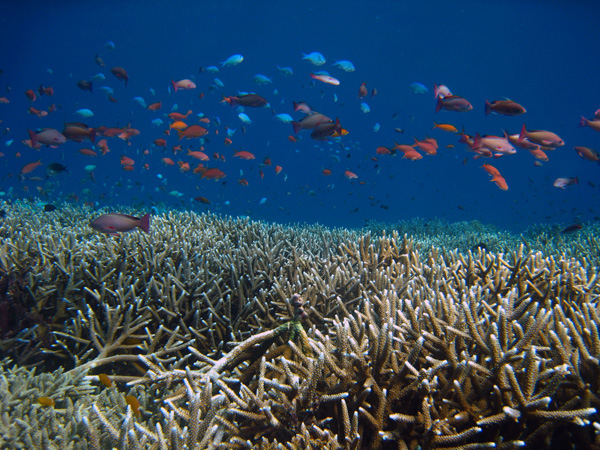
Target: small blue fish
x=157, y=122
x=99, y=77
x=85, y=112
x=152, y=91
x=285, y=118
x=287, y=71
x=244, y=118
x=212, y=69
x=140, y=101
x=231, y=131
x=419, y=88
x=175, y=107
x=346, y=66
x=110, y=45
x=233, y=60
x=107, y=90
x=219, y=82
x=377, y=127
x=315, y=57
x=365, y=108
x=9, y=142
x=263, y=201
x=261, y=79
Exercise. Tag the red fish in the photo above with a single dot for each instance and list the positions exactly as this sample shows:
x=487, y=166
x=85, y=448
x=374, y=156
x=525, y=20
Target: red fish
x=588, y=153
x=325, y=79
x=541, y=137
x=212, y=173
x=244, y=155
x=250, y=100
x=593, y=124
x=191, y=132
x=179, y=116
x=120, y=73
x=115, y=222
x=453, y=103
x=30, y=95
x=362, y=90
x=154, y=106
x=183, y=84
x=504, y=107
x=350, y=175
x=324, y=130
x=77, y=132
x=48, y=136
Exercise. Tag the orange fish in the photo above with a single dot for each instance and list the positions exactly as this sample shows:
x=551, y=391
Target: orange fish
x=490, y=169
x=500, y=182
x=160, y=142
x=326, y=172
x=243, y=182
x=538, y=153
x=105, y=380
x=266, y=161
x=28, y=168
x=261, y=174
x=202, y=200
x=154, y=106
x=4, y=100
x=445, y=127
x=134, y=404
x=126, y=161
x=278, y=169
x=350, y=175
x=383, y=151
x=227, y=141
x=183, y=166
x=168, y=161
x=178, y=125
x=103, y=145
x=128, y=168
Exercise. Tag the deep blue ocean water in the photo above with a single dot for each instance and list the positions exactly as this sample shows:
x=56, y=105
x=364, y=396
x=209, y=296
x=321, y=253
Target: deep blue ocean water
x=538, y=53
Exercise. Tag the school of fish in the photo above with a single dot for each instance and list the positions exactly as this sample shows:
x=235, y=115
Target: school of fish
x=198, y=143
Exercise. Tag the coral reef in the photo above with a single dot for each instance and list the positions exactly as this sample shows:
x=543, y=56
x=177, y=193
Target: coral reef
x=227, y=333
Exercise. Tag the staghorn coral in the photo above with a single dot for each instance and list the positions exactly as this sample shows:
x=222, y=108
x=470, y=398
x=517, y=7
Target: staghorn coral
x=401, y=344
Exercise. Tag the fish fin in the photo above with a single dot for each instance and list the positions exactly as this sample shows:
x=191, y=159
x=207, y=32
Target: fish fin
x=297, y=126
x=174, y=85
x=523, y=133
x=144, y=223
x=583, y=122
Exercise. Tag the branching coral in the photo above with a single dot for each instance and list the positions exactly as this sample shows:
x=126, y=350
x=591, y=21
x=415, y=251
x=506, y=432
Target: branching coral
x=237, y=334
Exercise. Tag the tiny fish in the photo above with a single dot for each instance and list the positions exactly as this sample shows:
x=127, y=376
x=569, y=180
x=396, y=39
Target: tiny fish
x=419, y=88
x=84, y=112
x=571, y=229
x=314, y=57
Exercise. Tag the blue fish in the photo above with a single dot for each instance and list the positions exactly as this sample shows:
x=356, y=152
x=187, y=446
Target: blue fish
x=419, y=88
x=345, y=65
x=233, y=60
x=315, y=57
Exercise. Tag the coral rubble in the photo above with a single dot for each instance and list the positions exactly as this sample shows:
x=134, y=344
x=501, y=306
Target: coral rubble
x=214, y=332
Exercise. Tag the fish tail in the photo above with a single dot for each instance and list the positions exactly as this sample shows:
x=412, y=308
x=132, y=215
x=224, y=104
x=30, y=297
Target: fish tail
x=583, y=122
x=32, y=138
x=439, y=104
x=91, y=86
x=297, y=127
x=488, y=107
x=144, y=223
x=174, y=85
x=180, y=134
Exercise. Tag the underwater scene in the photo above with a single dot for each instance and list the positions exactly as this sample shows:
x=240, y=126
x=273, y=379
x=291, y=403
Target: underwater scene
x=299, y=225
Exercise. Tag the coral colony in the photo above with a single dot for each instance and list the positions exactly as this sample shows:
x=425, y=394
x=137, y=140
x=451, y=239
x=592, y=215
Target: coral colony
x=212, y=332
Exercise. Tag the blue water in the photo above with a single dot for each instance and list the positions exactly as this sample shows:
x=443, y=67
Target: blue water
x=538, y=53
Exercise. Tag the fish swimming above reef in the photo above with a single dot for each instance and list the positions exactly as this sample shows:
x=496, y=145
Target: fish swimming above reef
x=114, y=223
